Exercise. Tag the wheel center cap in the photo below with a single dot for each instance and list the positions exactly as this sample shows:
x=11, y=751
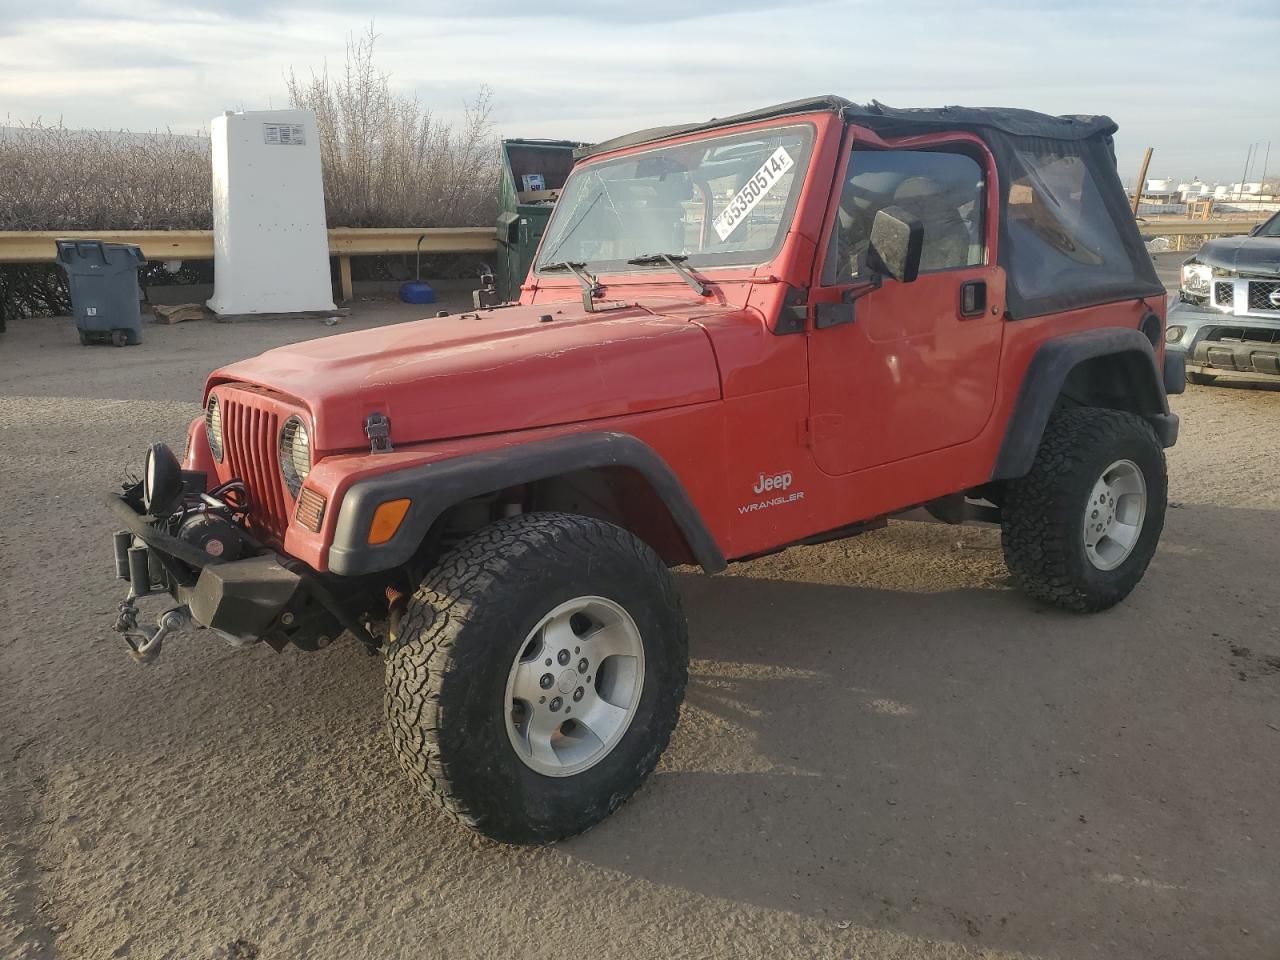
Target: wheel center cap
x=568, y=680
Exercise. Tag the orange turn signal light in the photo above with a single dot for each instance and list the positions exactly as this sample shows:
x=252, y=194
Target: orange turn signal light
x=387, y=519
x=310, y=510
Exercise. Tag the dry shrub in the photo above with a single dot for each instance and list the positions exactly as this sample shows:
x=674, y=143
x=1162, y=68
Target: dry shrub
x=82, y=181
x=53, y=178
x=388, y=162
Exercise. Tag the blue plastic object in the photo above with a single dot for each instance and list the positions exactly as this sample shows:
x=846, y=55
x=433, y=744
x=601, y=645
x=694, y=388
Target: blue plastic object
x=417, y=291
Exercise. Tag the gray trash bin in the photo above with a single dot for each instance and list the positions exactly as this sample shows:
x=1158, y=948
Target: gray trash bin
x=103, y=278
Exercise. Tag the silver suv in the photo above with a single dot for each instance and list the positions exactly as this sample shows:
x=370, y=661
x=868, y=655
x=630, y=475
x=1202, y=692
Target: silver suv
x=1227, y=319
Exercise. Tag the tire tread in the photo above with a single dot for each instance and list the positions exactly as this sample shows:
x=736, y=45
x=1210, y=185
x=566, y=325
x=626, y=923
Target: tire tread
x=459, y=595
x=1040, y=510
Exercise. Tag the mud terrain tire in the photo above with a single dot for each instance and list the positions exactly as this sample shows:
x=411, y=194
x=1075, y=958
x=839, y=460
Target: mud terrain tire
x=468, y=629
x=1044, y=513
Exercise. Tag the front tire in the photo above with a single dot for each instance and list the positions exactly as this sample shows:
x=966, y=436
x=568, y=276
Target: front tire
x=468, y=702
x=1079, y=530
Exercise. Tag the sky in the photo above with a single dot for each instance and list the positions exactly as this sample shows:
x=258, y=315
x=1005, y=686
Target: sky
x=1200, y=82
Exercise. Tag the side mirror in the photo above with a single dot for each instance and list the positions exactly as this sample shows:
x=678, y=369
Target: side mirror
x=897, y=239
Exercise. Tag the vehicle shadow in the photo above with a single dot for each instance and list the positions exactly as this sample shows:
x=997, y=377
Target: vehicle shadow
x=957, y=764
x=963, y=765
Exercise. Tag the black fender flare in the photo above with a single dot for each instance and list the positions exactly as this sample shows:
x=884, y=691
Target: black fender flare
x=1047, y=374
x=434, y=487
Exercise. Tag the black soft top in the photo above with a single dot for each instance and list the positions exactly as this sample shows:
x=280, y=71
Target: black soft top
x=887, y=121
x=825, y=104
x=1067, y=235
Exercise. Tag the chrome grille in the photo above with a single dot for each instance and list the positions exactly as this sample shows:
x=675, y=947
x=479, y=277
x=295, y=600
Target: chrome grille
x=250, y=426
x=1261, y=292
x=1224, y=293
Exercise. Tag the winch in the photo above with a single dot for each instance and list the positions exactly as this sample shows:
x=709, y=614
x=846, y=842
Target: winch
x=197, y=526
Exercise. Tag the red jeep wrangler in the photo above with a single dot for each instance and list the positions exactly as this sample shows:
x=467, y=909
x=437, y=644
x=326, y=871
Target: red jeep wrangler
x=771, y=329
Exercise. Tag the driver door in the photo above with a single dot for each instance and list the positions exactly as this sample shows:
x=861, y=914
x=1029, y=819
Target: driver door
x=907, y=368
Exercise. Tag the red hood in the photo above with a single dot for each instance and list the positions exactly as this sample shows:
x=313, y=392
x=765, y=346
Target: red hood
x=504, y=369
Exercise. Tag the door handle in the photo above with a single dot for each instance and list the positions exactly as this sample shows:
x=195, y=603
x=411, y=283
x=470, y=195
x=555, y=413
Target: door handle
x=973, y=299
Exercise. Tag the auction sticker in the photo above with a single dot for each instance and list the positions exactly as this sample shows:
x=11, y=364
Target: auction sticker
x=756, y=189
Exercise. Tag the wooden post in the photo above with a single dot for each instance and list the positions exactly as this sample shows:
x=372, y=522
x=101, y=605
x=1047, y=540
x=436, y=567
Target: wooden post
x=344, y=279
x=1142, y=180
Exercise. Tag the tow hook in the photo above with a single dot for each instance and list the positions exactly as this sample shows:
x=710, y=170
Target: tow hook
x=144, y=642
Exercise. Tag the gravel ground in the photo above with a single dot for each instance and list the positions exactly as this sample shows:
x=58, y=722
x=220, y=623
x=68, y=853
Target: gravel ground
x=886, y=750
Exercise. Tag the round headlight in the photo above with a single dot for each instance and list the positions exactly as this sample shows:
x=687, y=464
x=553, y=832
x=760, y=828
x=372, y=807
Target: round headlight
x=295, y=454
x=1174, y=334
x=213, y=427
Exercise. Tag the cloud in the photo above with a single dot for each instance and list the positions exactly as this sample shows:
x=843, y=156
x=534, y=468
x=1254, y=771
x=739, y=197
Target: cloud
x=592, y=71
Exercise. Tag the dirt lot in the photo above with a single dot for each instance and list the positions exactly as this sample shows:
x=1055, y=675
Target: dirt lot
x=886, y=751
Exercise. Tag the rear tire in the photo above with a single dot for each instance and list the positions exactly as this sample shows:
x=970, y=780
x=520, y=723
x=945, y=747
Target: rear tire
x=492, y=612
x=1068, y=526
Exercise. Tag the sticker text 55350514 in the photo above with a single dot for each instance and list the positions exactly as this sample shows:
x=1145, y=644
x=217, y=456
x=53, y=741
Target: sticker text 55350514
x=756, y=189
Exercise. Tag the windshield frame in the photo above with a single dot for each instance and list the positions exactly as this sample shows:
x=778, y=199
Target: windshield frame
x=742, y=259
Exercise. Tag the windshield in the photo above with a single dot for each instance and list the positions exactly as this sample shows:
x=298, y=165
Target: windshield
x=1271, y=228
x=721, y=200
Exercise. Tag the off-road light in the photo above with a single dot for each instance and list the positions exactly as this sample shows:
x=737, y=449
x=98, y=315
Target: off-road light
x=1174, y=334
x=213, y=427
x=295, y=454
x=161, y=481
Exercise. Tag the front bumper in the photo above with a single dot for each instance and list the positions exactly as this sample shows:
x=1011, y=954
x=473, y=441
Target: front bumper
x=1217, y=342
x=240, y=599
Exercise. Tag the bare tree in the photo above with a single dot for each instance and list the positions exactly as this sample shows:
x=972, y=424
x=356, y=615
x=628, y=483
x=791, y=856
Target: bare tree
x=388, y=161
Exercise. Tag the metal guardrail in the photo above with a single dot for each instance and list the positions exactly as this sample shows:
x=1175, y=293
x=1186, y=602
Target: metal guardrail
x=1188, y=228
x=344, y=243
x=348, y=242
x=38, y=246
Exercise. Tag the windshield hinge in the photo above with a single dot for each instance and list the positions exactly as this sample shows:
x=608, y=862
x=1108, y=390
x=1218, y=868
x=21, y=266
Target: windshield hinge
x=377, y=427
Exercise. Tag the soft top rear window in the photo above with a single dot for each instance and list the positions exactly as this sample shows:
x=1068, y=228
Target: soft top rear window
x=1060, y=233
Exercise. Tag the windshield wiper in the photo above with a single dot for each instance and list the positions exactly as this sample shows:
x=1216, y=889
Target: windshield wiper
x=676, y=262
x=590, y=289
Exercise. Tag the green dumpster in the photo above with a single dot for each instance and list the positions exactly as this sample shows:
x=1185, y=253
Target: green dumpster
x=533, y=171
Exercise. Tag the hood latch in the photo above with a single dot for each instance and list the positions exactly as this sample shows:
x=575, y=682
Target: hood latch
x=377, y=427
